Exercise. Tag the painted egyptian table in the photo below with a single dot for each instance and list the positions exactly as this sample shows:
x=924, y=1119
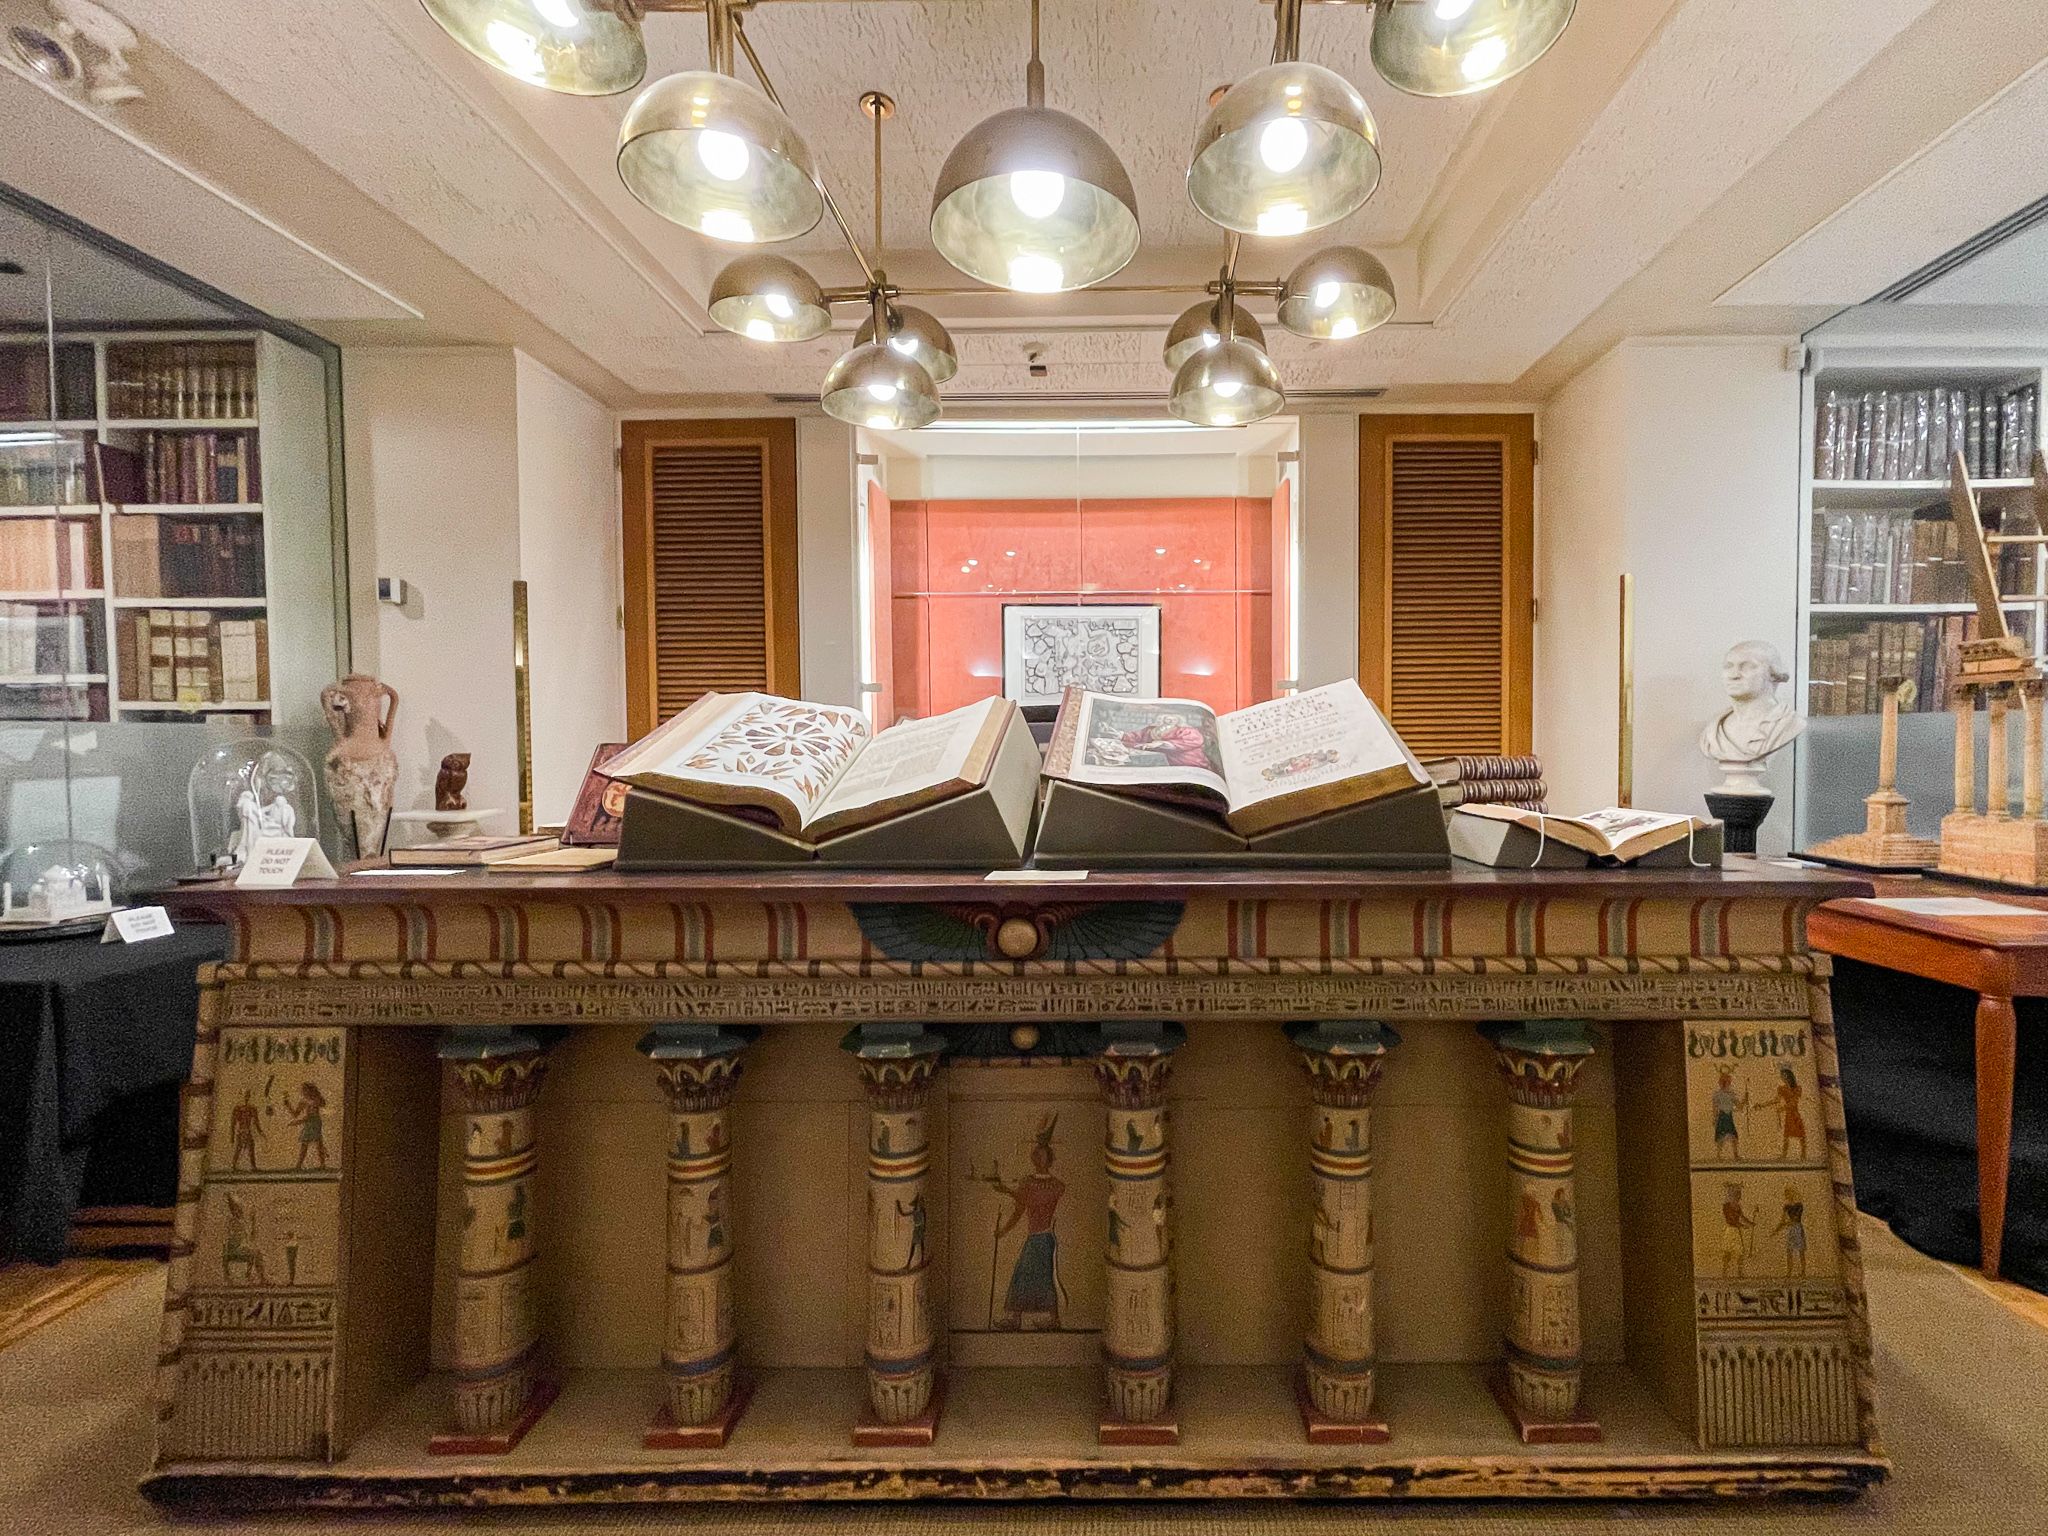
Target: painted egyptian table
x=600, y=1187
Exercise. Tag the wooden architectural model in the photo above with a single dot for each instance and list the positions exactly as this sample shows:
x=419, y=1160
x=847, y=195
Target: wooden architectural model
x=1885, y=841
x=1991, y=843
x=1128, y=1187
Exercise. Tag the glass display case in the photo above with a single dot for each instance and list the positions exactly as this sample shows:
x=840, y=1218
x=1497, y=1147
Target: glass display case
x=171, y=577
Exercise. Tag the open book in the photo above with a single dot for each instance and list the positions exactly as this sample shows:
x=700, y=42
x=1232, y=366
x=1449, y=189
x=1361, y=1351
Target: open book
x=1270, y=765
x=1617, y=833
x=813, y=770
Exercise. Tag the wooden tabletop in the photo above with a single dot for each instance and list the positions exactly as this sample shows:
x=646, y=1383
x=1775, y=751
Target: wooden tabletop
x=1739, y=877
x=2002, y=954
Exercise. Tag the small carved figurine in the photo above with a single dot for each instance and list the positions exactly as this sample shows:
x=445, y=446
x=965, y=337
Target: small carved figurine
x=451, y=782
x=362, y=770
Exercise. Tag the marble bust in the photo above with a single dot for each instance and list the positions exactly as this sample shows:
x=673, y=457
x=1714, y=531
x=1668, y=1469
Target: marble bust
x=1756, y=722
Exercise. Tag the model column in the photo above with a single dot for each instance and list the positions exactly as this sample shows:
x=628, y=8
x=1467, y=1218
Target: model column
x=1344, y=1058
x=1540, y=1061
x=1137, y=1333
x=499, y=1392
x=897, y=1063
x=699, y=1067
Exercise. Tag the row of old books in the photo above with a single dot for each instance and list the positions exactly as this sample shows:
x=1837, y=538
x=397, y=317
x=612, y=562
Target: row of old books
x=194, y=467
x=187, y=555
x=190, y=656
x=1846, y=669
x=1488, y=779
x=1914, y=434
x=47, y=554
x=38, y=641
x=1901, y=557
x=189, y=381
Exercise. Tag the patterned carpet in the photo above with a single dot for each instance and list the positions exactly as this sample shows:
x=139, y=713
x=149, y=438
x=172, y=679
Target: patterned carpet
x=1961, y=1375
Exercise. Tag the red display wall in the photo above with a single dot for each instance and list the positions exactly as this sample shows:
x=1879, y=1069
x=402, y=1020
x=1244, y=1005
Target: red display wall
x=1207, y=562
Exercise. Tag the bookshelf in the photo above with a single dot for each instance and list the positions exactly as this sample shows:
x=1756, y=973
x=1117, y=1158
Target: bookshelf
x=136, y=557
x=1882, y=590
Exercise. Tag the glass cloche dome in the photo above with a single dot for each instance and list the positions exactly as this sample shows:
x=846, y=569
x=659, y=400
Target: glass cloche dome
x=62, y=880
x=242, y=790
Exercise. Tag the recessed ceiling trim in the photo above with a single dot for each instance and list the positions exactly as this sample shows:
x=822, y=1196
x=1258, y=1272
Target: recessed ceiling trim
x=2013, y=224
x=210, y=188
x=1093, y=396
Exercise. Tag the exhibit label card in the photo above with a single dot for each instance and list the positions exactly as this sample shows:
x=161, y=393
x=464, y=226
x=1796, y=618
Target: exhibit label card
x=279, y=861
x=135, y=924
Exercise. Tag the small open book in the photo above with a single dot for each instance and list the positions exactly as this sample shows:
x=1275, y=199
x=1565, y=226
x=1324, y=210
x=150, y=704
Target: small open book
x=1617, y=833
x=1266, y=766
x=813, y=770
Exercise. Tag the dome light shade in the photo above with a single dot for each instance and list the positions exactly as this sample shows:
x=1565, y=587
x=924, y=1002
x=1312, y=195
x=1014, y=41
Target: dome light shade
x=769, y=298
x=1035, y=201
x=1201, y=325
x=714, y=154
x=918, y=336
x=1455, y=47
x=1290, y=148
x=578, y=47
x=1231, y=384
x=877, y=386
x=1336, y=293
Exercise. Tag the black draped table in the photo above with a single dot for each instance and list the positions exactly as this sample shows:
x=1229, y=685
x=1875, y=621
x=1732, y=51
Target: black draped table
x=85, y=1026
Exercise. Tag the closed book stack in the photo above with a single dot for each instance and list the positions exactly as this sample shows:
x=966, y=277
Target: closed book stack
x=47, y=555
x=1848, y=666
x=137, y=562
x=192, y=656
x=1487, y=779
x=44, y=641
x=1914, y=434
x=188, y=468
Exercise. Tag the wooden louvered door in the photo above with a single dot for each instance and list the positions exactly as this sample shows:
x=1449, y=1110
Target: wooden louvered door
x=1446, y=550
x=710, y=553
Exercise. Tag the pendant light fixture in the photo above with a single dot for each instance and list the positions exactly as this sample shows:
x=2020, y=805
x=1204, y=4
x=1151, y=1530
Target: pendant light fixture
x=1290, y=148
x=578, y=47
x=769, y=298
x=710, y=152
x=918, y=335
x=1035, y=200
x=880, y=383
x=1231, y=384
x=1455, y=47
x=1201, y=325
x=1336, y=293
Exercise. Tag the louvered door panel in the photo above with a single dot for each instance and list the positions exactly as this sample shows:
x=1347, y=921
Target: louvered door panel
x=710, y=539
x=710, y=556
x=1444, y=600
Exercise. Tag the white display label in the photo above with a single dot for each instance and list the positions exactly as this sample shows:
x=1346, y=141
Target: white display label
x=279, y=861
x=136, y=924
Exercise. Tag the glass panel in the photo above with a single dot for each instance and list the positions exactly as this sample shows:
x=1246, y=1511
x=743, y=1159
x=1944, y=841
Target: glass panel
x=168, y=552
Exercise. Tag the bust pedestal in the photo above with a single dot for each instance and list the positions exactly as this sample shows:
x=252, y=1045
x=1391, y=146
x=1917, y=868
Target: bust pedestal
x=1740, y=812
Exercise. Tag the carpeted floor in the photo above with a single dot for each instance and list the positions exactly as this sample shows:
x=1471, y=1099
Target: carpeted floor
x=33, y=1297
x=1963, y=1381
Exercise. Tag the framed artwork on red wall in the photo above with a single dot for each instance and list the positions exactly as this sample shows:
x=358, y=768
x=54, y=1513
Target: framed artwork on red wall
x=1105, y=648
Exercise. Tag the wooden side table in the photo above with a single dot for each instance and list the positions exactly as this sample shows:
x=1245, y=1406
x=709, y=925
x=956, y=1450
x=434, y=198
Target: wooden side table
x=1999, y=957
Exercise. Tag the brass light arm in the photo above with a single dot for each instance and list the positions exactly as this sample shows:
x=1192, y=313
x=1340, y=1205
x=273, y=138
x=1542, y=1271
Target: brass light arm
x=739, y=33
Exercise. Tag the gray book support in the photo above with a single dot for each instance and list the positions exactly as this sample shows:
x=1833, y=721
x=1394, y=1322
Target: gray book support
x=986, y=828
x=1082, y=827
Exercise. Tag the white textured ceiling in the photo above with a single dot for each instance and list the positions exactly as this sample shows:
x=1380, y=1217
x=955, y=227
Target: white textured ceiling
x=1517, y=223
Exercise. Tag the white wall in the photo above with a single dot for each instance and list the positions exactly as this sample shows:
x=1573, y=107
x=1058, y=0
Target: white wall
x=469, y=468
x=433, y=482
x=1676, y=460
x=1327, y=601
x=569, y=557
x=828, y=582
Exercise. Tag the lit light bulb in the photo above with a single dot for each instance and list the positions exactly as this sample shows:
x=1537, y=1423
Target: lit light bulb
x=560, y=13
x=778, y=305
x=518, y=50
x=1346, y=327
x=1037, y=194
x=1228, y=388
x=727, y=224
x=881, y=420
x=1283, y=143
x=1484, y=57
x=760, y=330
x=1283, y=219
x=882, y=389
x=725, y=155
x=1325, y=294
x=1036, y=274
x=1451, y=10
